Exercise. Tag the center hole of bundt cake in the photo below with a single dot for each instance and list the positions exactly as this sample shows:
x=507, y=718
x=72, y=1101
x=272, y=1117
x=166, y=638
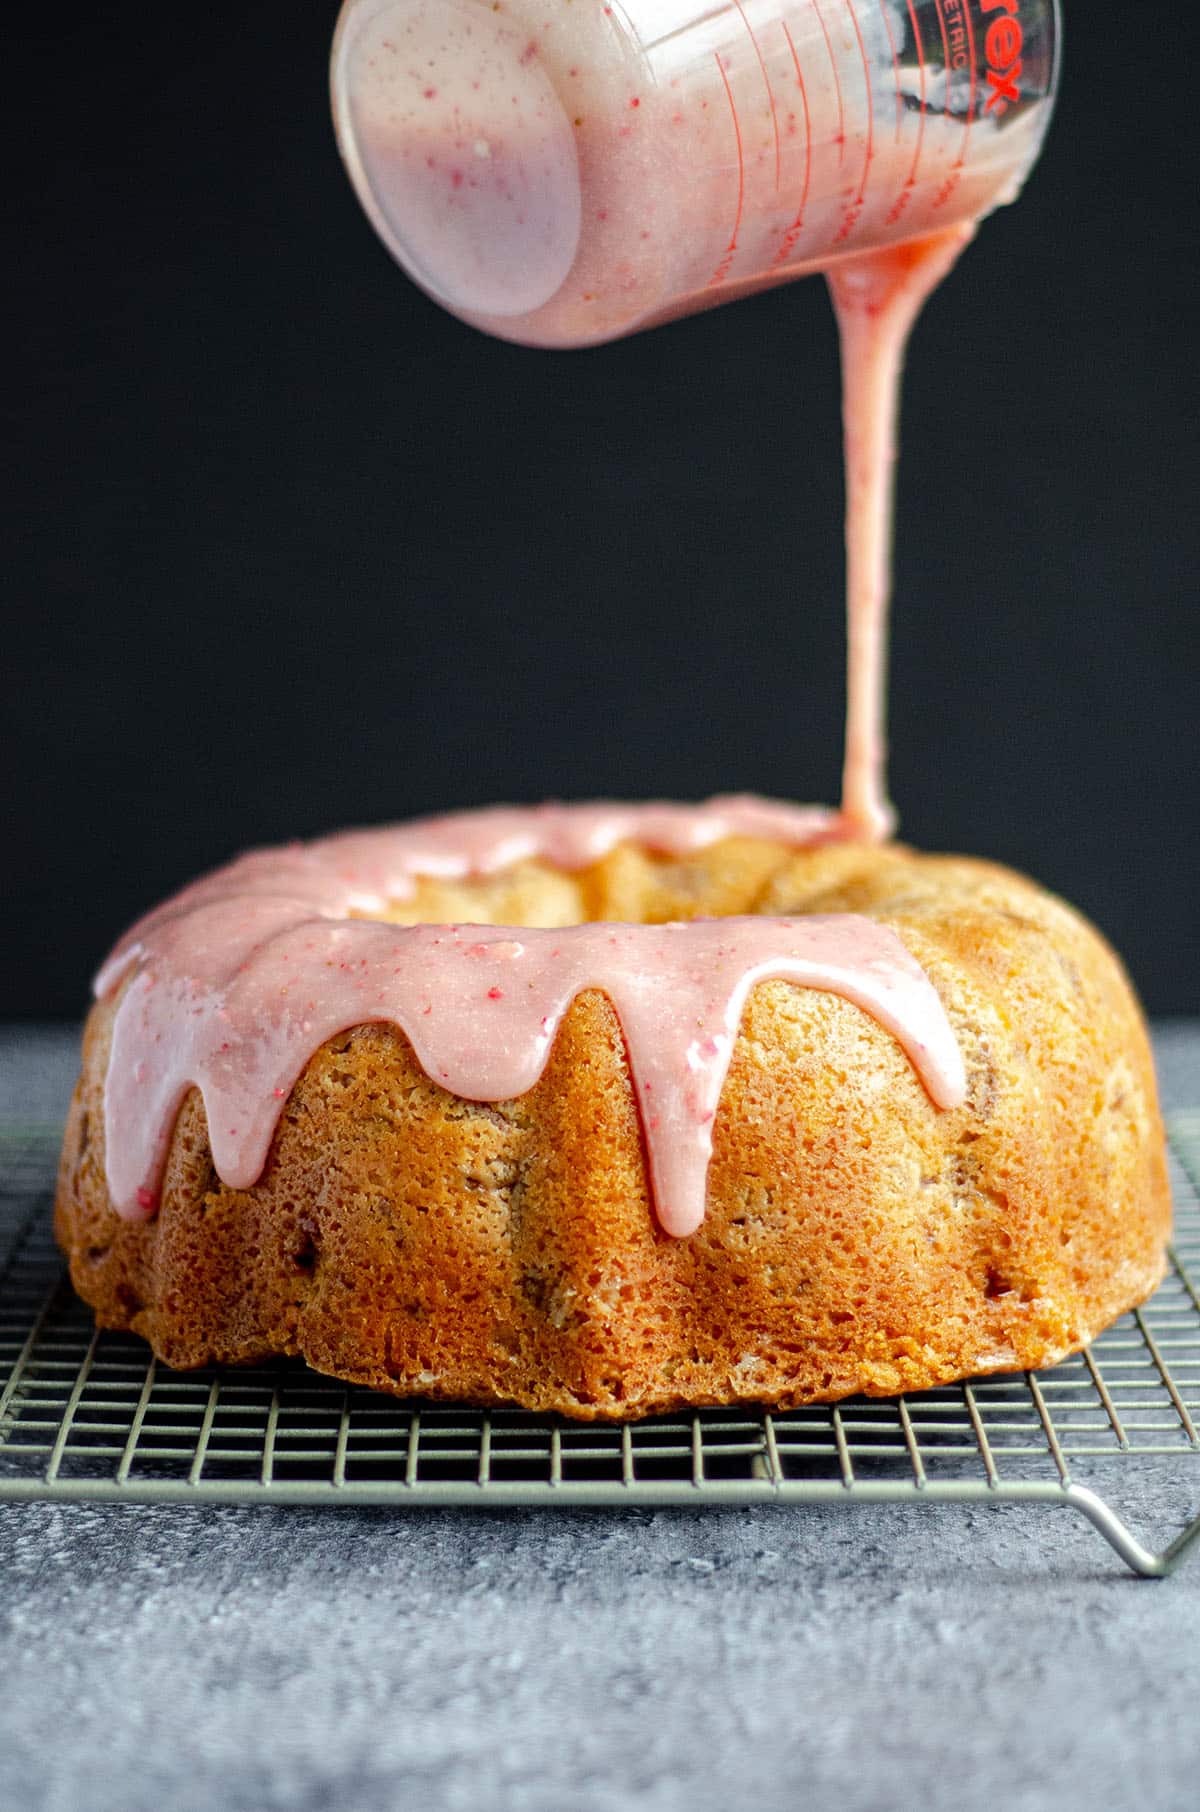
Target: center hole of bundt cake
x=632, y=885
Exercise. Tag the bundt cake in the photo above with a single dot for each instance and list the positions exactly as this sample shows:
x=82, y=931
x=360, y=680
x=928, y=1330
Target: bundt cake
x=608, y=1110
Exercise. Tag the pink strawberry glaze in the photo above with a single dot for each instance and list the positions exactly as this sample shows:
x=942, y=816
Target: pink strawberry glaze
x=239, y=979
x=877, y=298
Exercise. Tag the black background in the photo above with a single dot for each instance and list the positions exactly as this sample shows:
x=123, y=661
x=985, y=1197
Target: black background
x=292, y=549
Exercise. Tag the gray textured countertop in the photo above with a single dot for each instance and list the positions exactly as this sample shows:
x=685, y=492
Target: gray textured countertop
x=586, y=1662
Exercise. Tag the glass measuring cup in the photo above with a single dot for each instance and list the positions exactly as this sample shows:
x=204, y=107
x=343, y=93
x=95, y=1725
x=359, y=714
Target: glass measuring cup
x=561, y=175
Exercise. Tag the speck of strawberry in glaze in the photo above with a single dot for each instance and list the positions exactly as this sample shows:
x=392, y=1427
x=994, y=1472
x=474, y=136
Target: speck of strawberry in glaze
x=495, y=994
x=147, y=1199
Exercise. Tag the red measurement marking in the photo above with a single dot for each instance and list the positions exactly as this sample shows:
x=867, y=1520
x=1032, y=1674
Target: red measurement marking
x=962, y=54
x=723, y=269
x=797, y=227
x=767, y=80
x=951, y=183
x=854, y=211
x=837, y=82
x=947, y=189
x=862, y=51
x=945, y=54
x=906, y=193
x=887, y=26
x=971, y=97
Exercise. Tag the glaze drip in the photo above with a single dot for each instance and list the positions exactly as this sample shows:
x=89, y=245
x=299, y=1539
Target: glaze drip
x=236, y=983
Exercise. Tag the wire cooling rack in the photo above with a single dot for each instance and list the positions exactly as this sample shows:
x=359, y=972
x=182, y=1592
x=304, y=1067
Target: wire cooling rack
x=92, y=1416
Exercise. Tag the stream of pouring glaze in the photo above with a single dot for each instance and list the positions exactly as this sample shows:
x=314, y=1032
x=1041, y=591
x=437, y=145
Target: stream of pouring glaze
x=234, y=984
x=877, y=299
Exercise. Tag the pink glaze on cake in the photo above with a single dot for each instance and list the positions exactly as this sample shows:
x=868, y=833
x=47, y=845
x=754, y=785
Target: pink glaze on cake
x=237, y=982
x=373, y=868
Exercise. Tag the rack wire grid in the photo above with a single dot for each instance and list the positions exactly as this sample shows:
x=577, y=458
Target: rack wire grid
x=87, y=1415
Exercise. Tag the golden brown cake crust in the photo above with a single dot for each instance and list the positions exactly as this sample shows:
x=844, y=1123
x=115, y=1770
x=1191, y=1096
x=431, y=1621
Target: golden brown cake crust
x=856, y=1238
